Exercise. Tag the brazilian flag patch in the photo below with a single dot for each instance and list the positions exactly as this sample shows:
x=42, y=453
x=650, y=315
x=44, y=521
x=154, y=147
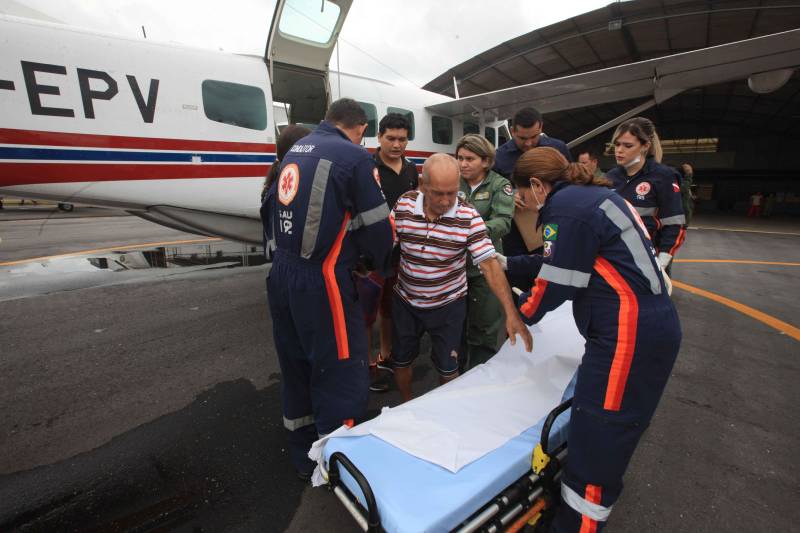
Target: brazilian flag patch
x=550, y=232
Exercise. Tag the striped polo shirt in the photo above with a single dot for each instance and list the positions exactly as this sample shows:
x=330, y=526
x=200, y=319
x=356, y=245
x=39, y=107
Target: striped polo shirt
x=433, y=255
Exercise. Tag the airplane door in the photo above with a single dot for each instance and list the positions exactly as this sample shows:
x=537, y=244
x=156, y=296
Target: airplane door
x=301, y=40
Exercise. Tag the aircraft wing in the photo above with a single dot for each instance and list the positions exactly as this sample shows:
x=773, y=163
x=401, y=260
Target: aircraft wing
x=659, y=78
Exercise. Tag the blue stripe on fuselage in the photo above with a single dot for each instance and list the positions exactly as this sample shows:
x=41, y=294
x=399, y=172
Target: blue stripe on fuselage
x=58, y=154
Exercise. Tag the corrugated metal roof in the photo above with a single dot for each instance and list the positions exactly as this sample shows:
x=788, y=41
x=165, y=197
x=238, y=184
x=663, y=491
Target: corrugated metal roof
x=647, y=29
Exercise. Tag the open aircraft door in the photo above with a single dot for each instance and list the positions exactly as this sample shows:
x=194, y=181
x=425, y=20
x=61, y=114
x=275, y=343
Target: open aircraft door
x=299, y=48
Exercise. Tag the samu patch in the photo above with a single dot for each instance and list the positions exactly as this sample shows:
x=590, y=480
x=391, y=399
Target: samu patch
x=550, y=232
x=548, y=248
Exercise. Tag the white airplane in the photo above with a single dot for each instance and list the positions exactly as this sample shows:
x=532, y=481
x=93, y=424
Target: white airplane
x=184, y=137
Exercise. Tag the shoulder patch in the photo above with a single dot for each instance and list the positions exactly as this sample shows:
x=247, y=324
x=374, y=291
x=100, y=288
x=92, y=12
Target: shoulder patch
x=676, y=187
x=288, y=183
x=550, y=232
x=377, y=176
x=548, y=248
x=508, y=189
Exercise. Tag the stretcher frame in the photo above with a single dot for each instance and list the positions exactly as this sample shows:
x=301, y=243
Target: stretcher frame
x=520, y=503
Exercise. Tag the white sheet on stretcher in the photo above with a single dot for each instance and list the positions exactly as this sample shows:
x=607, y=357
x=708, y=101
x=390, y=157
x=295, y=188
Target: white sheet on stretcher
x=463, y=420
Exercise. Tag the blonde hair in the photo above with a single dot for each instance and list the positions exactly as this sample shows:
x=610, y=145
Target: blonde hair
x=644, y=130
x=478, y=145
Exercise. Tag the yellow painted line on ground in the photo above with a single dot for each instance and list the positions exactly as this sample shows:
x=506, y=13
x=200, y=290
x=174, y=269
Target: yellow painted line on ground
x=747, y=230
x=109, y=249
x=735, y=261
x=771, y=321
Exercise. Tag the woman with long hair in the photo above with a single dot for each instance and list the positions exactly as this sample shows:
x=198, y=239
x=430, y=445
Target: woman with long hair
x=650, y=186
x=598, y=254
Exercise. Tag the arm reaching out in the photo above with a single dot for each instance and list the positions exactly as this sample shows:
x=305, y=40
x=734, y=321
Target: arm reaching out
x=497, y=282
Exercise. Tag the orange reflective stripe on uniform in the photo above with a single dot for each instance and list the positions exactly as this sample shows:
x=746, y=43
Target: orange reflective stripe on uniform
x=593, y=494
x=678, y=241
x=334, y=296
x=626, y=334
x=532, y=303
x=588, y=505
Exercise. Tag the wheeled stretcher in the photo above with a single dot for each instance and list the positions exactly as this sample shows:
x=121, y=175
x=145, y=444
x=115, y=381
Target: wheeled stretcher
x=403, y=485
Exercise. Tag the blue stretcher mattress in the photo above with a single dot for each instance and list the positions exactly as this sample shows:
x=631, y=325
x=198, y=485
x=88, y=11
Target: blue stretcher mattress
x=416, y=496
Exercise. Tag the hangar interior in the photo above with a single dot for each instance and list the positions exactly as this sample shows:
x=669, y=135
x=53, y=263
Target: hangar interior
x=739, y=141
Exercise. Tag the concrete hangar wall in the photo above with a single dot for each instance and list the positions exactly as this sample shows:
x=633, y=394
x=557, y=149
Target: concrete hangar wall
x=739, y=141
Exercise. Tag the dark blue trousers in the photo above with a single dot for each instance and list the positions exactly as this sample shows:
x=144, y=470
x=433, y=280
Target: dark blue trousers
x=322, y=350
x=612, y=408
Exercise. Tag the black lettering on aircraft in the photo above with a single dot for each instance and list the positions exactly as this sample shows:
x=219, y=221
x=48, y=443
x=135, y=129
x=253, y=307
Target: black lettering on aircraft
x=147, y=109
x=29, y=70
x=87, y=94
x=7, y=85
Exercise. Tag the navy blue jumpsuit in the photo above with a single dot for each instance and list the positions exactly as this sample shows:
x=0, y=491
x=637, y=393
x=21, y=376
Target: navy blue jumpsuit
x=324, y=211
x=655, y=192
x=598, y=254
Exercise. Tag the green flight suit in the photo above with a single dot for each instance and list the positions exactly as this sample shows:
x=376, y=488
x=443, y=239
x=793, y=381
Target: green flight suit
x=494, y=200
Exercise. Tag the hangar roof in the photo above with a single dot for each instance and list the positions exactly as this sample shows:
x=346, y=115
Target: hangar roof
x=627, y=32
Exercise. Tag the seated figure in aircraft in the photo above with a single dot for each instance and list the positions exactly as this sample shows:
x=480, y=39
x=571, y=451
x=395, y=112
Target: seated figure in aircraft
x=598, y=254
x=493, y=197
x=651, y=187
x=436, y=230
x=323, y=212
x=290, y=135
x=526, y=134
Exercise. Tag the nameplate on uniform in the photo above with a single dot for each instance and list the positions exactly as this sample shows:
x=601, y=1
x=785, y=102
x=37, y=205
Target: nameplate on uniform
x=481, y=196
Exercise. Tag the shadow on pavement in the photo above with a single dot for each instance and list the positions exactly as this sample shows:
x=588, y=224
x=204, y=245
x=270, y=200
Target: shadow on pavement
x=218, y=464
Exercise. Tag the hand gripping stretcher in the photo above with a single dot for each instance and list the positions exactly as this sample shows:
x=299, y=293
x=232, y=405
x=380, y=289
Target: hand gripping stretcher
x=459, y=457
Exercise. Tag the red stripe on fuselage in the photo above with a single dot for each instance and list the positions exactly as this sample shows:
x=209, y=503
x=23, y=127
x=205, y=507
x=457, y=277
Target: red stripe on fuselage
x=84, y=140
x=44, y=173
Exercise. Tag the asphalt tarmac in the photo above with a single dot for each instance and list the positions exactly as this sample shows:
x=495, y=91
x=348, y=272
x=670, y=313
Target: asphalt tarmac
x=148, y=399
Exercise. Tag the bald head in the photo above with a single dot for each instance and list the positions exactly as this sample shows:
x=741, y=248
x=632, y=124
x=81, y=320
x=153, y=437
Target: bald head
x=439, y=185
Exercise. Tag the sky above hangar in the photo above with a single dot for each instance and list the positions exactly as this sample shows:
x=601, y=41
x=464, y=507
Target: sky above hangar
x=411, y=41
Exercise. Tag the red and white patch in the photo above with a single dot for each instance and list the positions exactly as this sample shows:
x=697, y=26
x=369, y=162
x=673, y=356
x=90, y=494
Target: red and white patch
x=288, y=183
x=643, y=188
x=548, y=248
x=377, y=176
x=676, y=187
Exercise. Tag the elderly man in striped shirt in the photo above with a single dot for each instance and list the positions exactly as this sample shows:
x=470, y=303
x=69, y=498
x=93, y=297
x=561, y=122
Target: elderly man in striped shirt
x=435, y=230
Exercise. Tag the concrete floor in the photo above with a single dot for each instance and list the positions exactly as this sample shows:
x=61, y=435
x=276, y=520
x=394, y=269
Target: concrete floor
x=150, y=400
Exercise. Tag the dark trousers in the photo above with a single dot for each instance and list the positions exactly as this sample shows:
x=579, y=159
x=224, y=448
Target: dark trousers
x=606, y=427
x=324, y=368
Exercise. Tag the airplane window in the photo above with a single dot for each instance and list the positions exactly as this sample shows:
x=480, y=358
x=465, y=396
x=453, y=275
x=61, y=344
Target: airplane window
x=372, y=119
x=442, y=128
x=471, y=127
x=406, y=113
x=490, y=135
x=303, y=19
x=235, y=104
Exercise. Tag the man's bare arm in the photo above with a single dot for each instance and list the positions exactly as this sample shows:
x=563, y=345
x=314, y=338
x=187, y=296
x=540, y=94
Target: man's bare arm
x=497, y=281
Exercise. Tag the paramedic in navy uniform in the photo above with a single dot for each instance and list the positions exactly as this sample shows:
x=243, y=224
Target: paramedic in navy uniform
x=324, y=211
x=598, y=254
x=652, y=188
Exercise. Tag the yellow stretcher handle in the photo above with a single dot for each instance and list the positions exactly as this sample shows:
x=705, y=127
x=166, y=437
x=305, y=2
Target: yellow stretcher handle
x=540, y=459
